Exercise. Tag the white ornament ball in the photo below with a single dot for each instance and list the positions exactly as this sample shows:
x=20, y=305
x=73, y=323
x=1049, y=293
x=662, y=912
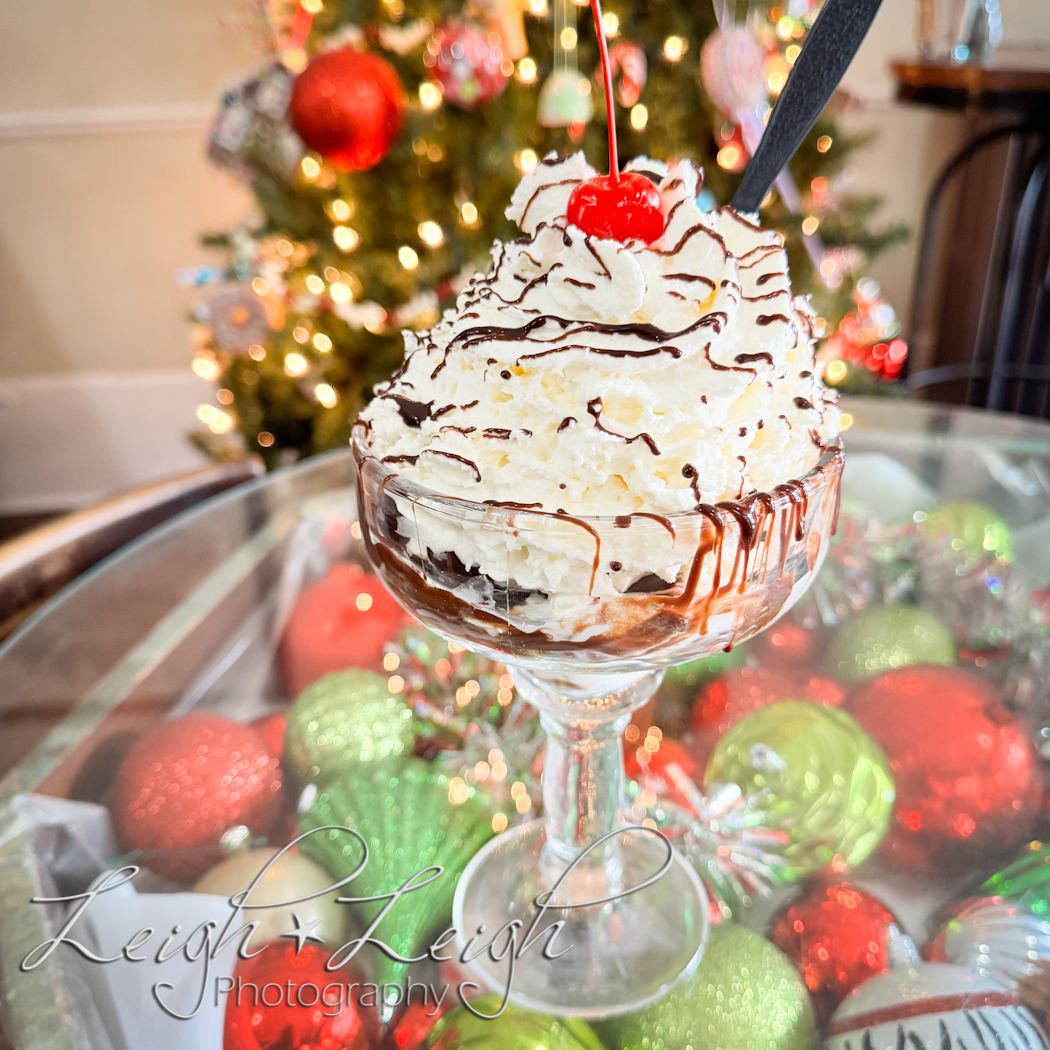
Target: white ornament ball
x=565, y=99
x=934, y=1005
x=733, y=69
x=290, y=877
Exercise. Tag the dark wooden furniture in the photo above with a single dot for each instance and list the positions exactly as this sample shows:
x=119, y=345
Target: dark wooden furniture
x=980, y=332
x=39, y=563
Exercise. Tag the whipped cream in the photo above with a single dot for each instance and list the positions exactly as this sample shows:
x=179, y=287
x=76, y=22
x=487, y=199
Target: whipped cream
x=600, y=378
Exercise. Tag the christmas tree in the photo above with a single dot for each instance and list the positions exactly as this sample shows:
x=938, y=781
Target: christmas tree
x=383, y=138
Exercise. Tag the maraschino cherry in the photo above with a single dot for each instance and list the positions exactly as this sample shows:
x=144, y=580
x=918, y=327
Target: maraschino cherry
x=620, y=206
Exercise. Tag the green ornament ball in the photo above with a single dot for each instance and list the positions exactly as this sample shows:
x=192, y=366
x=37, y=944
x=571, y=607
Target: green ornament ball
x=1026, y=880
x=514, y=1029
x=344, y=721
x=412, y=817
x=819, y=778
x=973, y=529
x=745, y=995
x=888, y=637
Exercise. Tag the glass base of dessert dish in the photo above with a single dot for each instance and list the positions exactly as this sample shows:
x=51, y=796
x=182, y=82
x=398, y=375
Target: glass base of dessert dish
x=637, y=922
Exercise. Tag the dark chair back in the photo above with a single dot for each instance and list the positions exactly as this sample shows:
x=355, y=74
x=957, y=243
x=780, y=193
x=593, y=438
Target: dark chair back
x=981, y=310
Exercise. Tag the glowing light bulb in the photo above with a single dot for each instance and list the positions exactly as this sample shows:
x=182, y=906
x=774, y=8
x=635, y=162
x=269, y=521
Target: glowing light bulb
x=340, y=293
x=265, y=439
x=346, y=239
x=301, y=334
x=791, y=53
x=326, y=395
x=568, y=38
x=785, y=27
x=311, y=169
x=824, y=143
x=315, y=284
x=674, y=48
x=729, y=157
x=217, y=421
x=407, y=257
x=639, y=117
x=311, y=6
x=285, y=247
x=341, y=210
x=260, y=287
x=610, y=23
x=527, y=70
x=775, y=81
x=810, y=224
x=469, y=212
x=538, y=7
x=526, y=160
x=322, y=344
x=375, y=322
x=429, y=95
x=224, y=397
x=257, y=352
x=295, y=364
x=206, y=367
x=431, y=234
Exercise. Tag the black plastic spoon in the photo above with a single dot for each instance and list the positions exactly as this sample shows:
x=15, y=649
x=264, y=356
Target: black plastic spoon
x=829, y=48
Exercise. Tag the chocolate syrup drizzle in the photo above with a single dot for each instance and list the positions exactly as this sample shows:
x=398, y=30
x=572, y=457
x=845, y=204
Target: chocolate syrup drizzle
x=594, y=407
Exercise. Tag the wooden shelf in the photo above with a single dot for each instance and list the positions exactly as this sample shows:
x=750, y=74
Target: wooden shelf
x=1018, y=82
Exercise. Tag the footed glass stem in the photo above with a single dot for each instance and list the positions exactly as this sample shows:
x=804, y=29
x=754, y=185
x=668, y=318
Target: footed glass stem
x=585, y=914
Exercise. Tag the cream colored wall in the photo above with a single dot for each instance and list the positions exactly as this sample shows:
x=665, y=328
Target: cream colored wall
x=94, y=226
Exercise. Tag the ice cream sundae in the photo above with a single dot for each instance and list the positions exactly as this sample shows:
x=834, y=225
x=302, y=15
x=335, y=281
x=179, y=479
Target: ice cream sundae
x=656, y=403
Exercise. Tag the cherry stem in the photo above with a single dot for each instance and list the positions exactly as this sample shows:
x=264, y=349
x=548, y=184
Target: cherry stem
x=603, y=51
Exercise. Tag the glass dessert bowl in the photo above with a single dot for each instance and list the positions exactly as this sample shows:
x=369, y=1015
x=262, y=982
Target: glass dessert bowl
x=588, y=611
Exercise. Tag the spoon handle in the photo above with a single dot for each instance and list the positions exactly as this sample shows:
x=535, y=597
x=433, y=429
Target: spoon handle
x=829, y=48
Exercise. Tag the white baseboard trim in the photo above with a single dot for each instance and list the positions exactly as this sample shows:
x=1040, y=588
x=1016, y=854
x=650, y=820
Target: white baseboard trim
x=67, y=441
x=101, y=120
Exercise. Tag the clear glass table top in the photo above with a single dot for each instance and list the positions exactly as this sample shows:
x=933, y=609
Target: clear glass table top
x=190, y=616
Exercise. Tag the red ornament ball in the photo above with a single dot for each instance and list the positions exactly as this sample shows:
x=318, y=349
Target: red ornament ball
x=410, y=1029
x=271, y=728
x=837, y=936
x=469, y=64
x=296, y=1004
x=625, y=207
x=187, y=782
x=968, y=780
x=348, y=106
x=744, y=690
x=787, y=643
x=343, y=620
